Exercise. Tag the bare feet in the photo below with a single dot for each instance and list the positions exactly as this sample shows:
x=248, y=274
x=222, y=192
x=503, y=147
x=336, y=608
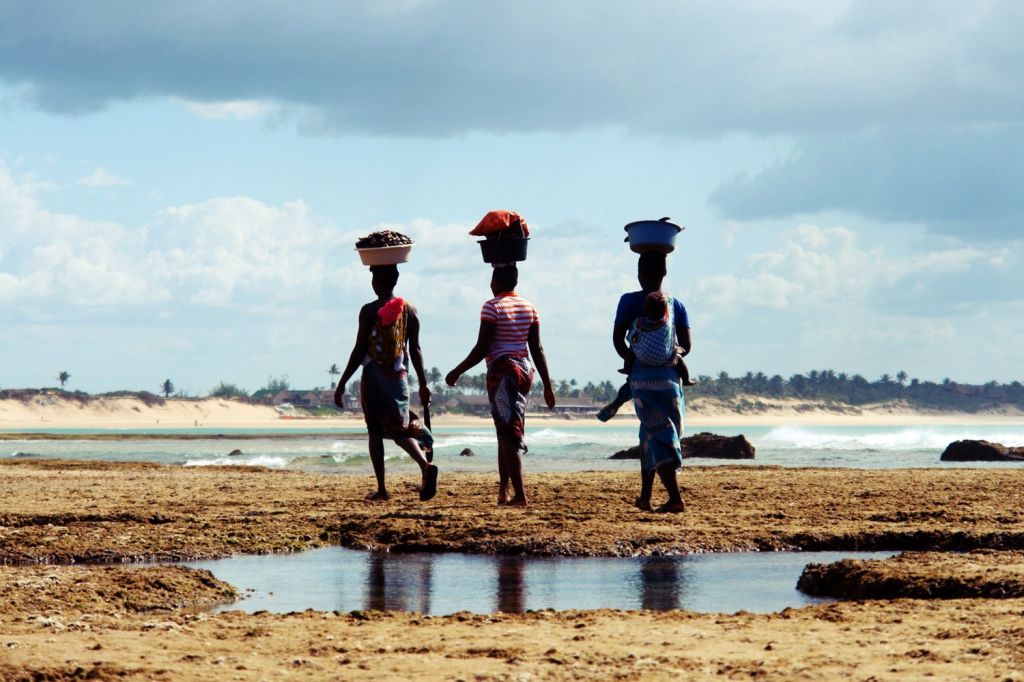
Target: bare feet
x=671, y=507
x=502, y=498
x=429, y=488
x=378, y=496
x=517, y=502
x=642, y=504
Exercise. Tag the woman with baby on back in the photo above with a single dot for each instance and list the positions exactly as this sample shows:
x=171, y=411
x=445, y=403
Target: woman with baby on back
x=658, y=333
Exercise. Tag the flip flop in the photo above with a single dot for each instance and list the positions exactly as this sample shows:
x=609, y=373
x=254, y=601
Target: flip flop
x=429, y=488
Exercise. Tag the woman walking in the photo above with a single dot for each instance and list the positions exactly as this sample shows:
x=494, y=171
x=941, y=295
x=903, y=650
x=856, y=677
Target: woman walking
x=388, y=338
x=509, y=334
x=656, y=389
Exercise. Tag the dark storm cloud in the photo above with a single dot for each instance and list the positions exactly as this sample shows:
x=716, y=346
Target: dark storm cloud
x=439, y=67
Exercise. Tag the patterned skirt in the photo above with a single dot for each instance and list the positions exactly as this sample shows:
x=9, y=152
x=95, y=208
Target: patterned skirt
x=659, y=403
x=385, y=397
x=509, y=379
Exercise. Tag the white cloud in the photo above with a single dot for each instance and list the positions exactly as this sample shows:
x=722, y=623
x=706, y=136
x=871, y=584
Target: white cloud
x=216, y=252
x=101, y=177
x=817, y=268
x=237, y=109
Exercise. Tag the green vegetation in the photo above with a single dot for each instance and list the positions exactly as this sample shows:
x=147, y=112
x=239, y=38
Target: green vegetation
x=829, y=386
x=226, y=390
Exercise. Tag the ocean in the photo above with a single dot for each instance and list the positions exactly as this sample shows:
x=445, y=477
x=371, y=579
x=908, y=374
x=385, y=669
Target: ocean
x=555, y=448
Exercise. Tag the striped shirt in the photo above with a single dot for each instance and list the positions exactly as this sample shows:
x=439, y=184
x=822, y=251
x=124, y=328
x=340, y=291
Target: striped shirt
x=512, y=316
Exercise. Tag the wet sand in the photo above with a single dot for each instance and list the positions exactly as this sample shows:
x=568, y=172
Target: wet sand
x=62, y=621
x=63, y=511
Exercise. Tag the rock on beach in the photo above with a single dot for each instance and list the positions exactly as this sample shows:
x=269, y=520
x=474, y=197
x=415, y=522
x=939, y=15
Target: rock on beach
x=707, y=445
x=981, y=451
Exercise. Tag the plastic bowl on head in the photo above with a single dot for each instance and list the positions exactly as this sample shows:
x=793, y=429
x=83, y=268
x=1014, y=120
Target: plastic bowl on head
x=652, y=235
x=385, y=255
x=503, y=250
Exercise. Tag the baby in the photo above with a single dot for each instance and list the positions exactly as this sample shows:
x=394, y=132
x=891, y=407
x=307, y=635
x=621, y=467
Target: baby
x=652, y=341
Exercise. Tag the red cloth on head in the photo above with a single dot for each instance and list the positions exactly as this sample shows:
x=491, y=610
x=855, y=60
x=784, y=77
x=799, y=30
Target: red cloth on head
x=388, y=313
x=496, y=221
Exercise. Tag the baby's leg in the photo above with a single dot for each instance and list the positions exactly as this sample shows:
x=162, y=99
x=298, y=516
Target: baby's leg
x=624, y=395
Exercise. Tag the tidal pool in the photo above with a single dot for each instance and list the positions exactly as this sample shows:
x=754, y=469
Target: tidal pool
x=338, y=579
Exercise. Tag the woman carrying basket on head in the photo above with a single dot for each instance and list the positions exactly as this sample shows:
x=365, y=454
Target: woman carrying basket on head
x=388, y=338
x=509, y=335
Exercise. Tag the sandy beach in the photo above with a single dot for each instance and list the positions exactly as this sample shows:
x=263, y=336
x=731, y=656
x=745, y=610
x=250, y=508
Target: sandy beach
x=56, y=412
x=117, y=620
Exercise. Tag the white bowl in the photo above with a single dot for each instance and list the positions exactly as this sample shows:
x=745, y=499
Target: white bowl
x=385, y=255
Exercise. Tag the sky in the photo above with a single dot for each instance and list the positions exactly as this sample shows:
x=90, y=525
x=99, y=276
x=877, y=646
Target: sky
x=182, y=184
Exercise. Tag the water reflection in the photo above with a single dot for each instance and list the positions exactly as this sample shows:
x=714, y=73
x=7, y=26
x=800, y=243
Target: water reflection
x=398, y=583
x=346, y=580
x=511, y=583
x=661, y=583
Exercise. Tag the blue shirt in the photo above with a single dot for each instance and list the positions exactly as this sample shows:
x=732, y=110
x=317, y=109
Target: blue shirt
x=631, y=306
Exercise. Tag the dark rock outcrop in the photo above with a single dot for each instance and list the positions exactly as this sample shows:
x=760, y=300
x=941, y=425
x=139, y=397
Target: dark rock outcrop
x=235, y=453
x=707, y=445
x=717, y=447
x=981, y=451
x=466, y=452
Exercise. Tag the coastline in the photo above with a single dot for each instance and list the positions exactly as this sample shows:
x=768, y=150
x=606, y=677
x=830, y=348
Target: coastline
x=54, y=412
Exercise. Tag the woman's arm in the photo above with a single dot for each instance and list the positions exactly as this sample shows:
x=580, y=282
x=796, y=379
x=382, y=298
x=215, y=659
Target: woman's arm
x=539, y=359
x=416, y=354
x=483, y=343
x=619, y=339
x=357, y=355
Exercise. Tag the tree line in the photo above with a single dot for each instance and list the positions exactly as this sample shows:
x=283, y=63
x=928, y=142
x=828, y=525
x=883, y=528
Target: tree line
x=817, y=385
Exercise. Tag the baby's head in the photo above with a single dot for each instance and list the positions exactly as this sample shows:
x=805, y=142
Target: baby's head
x=656, y=306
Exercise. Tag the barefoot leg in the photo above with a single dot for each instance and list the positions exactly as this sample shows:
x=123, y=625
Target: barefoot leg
x=667, y=473
x=514, y=467
x=502, y=477
x=376, y=446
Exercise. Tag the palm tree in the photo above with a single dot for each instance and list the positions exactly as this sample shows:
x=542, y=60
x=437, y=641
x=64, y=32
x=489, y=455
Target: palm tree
x=63, y=378
x=333, y=371
x=167, y=387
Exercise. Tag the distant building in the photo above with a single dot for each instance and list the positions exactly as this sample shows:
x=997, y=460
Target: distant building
x=575, y=407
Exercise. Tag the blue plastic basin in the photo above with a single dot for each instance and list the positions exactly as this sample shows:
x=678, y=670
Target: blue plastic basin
x=652, y=235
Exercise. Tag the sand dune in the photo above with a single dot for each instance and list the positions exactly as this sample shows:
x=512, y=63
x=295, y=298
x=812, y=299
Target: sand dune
x=56, y=411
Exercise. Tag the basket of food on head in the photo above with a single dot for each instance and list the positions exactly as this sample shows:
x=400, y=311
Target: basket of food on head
x=384, y=247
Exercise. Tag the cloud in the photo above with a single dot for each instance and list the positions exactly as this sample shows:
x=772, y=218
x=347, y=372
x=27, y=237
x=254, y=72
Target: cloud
x=964, y=182
x=443, y=67
x=214, y=253
x=101, y=177
x=238, y=109
x=819, y=271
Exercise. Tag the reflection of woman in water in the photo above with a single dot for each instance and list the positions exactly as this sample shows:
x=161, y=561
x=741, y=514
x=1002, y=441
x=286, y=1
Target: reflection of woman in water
x=656, y=390
x=511, y=587
x=388, y=338
x=659, y=583
x=509, y=335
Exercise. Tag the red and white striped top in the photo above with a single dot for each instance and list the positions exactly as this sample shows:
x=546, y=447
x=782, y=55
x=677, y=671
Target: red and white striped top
x=512, y=316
